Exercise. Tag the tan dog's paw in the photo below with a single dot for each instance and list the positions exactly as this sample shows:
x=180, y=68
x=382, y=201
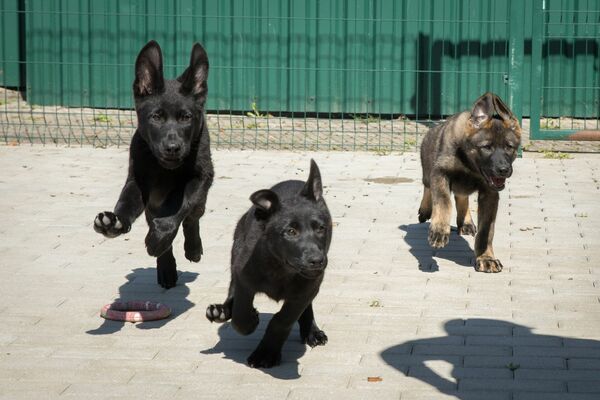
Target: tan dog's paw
x=439, y=235
x=467, y=229
x=488, y=264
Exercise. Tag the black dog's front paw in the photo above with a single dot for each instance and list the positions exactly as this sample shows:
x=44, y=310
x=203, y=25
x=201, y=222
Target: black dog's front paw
x=166, y=270
x=315, y=338
x=161, y=236
x=218, y=313
x=264, y=358
x=110, y=225
x=439, y=235
x=193, y=249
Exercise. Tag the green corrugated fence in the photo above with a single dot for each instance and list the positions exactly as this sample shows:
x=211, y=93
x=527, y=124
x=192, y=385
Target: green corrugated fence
x=338, y=74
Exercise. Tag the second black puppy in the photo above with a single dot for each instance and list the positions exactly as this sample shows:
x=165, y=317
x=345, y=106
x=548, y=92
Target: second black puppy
x=279, y=248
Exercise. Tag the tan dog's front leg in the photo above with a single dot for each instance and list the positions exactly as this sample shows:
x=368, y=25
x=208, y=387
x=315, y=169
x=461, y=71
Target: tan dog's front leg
x=464, y=222
x=486, y=217
x=439, y=230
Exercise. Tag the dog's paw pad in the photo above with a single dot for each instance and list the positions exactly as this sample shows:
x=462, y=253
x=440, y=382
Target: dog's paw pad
x=467, y=229
x=439, y=237
x=217, y=313
x=109, y=224
x=316, y=338
x=488, y=264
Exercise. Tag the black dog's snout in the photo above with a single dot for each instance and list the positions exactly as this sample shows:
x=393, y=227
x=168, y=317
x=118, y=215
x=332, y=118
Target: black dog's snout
x=315, y=261
x=503, y=170
x=173, y=148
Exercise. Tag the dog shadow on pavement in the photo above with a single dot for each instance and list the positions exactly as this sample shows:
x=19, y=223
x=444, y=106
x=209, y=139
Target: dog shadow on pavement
x=480, y=357
x=238, y=348
x=141, y=285
x=457, y=250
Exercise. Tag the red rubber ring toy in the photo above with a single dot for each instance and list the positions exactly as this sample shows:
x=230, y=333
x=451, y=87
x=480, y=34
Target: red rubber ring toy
x=135, y=311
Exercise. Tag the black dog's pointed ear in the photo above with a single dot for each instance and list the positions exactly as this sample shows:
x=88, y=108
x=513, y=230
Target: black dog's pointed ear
x=193, y=79
x=483, y=110
x=149, y=71
x=313, y=189
x=266, y=202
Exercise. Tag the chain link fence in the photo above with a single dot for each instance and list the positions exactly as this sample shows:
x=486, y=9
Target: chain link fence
x=338, y=75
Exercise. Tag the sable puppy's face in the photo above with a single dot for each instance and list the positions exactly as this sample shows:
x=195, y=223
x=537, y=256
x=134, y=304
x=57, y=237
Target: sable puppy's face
x=170, y=113
x=493, y=137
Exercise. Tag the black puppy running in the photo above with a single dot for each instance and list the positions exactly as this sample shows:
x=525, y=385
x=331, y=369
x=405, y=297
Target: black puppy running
x=280, y=249
x=170, y=167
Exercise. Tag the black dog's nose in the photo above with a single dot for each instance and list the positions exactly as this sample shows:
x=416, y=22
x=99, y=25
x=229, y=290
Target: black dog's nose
x=503, y=170
x=316, y=261
x=173, y=148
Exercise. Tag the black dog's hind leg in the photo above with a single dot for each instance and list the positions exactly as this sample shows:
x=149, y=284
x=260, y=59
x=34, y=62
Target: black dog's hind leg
x=309, y=331
x=166, y=269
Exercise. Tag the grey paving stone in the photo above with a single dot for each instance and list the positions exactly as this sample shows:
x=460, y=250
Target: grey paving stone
x=422, y=320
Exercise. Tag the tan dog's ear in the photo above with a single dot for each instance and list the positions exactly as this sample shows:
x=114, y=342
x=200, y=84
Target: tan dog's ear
x=483, y=111
x=508, y=118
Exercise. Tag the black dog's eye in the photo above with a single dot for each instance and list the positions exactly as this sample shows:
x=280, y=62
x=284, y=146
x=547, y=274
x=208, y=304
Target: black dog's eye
x=487, y=147
x=510, y=146
x=320, y=229
x=156, y=117
x=292, y=232
x=185, y=117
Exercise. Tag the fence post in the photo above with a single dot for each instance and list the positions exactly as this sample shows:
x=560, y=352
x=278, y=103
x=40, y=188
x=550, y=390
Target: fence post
x=516, y=50
x=537, y=33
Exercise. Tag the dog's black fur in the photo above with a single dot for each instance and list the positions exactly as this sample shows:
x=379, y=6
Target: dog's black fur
x=170, y=167
x=280, y=249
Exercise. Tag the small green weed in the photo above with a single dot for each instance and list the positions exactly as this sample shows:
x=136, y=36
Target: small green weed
x=368, y=119
x=103, y=118
x=550, y=123
x=556, y=155
x=255, y=113
x=375, y=303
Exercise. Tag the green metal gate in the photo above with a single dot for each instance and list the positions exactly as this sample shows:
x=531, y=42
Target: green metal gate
x=10, y=51
x=338, y=74
x=565, y=81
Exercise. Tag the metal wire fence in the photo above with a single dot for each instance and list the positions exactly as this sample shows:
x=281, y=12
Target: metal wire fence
x=337, y=75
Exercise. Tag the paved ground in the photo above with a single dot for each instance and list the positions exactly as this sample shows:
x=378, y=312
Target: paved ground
x=420, y=324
